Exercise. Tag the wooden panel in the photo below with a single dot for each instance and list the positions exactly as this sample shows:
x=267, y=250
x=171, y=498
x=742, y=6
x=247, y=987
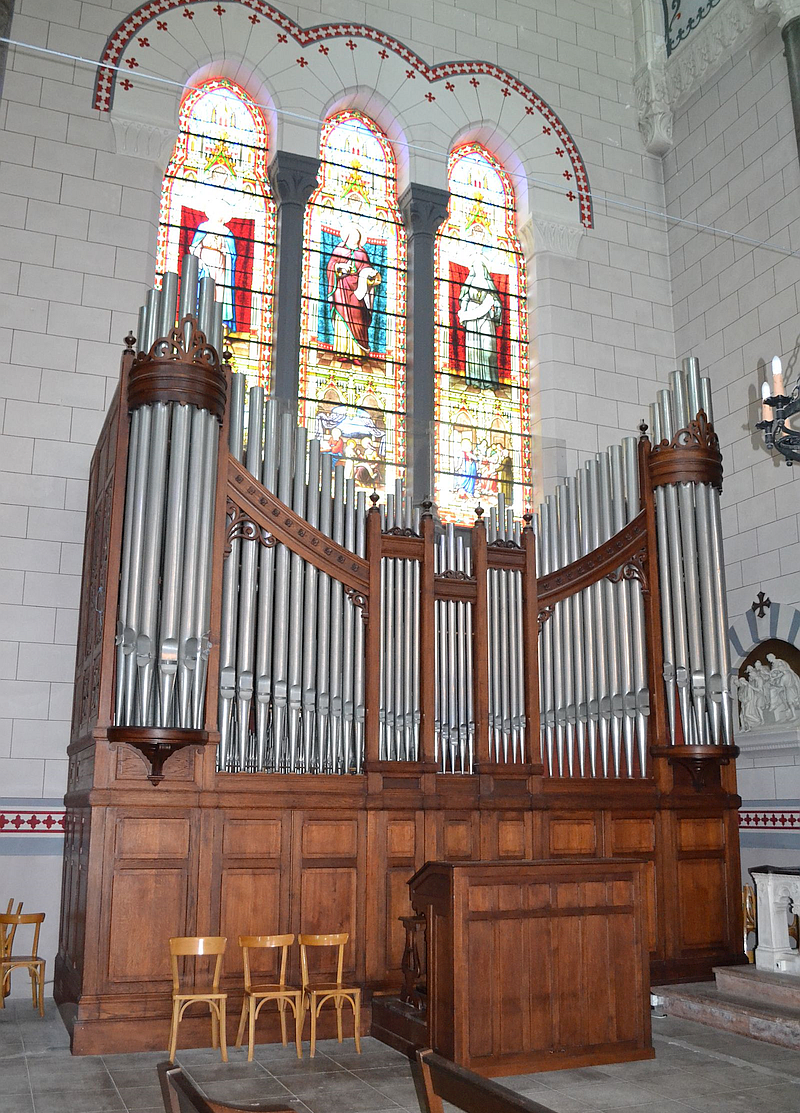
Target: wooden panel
x=569, y=837
x=250, y=838
x=327, y=905
x=250, y=905
x=511, y=838
x=401, y=838
x=152, y=837
x=701, y=887
x=334, y=838
x=458, y=839
x=701, y=834
x=148, y=906
x=631, y=835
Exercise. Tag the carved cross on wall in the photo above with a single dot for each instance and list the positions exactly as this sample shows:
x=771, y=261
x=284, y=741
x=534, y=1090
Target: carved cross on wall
x=760, y=605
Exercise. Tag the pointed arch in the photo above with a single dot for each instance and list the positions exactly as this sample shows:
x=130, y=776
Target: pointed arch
x=481, y=361
x=352, y=331
x=216, y=203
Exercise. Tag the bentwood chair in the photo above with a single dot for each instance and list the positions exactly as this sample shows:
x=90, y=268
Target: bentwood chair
x=8, y=940
x=256, y=995
x=9, y=922
x=198, y=945
x=316, y=993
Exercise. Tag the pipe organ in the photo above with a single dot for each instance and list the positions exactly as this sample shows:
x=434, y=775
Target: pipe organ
x=291, y=693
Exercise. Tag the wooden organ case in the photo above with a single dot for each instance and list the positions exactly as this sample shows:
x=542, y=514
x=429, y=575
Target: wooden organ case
x=196, y=804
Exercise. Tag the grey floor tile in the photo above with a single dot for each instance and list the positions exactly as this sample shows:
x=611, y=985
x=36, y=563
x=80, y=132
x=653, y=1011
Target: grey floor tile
x=203, y=1073
x=560, y=1102
x=81, y=1101
x=562, y=1079
x=142, y=1096
x=247, y=1089
x=297, y=1068
x=16, y=1103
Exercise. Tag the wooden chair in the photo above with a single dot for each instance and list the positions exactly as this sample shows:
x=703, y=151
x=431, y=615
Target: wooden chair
x=256, y=995
x=198, y=945
x=8, y=941
x=9, y=922
x=749, y=918
x=180, y=1096
x=315, y=994
x=440, y=1080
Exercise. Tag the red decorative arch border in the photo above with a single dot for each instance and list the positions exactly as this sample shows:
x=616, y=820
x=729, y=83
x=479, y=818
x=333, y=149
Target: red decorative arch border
x=118, y=40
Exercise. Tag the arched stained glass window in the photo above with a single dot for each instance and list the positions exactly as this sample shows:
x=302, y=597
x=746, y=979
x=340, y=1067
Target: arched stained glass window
x=216, y=204
x=482, y=428
x=352, y=339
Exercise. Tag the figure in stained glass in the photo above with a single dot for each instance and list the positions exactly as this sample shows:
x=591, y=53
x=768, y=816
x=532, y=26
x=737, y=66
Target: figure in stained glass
x=352, y=373
x=480, y=312
x=216, y=204
x=482, y=433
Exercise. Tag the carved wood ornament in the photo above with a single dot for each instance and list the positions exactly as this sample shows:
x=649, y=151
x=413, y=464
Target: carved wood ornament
x=692, y=456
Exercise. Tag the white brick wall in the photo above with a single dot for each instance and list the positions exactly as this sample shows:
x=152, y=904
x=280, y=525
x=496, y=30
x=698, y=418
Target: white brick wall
x=735, y=166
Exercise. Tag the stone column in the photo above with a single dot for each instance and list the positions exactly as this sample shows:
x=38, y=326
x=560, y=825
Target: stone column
x=293, y=179
x=6, y=15
x=788, y=12
x=423, y=208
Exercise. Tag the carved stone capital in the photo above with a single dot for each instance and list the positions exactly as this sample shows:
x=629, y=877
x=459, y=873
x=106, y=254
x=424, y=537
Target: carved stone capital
x=786, y=10
x=142, y=140
x=423, y=208
x=542, y=233
x=708, y=47
x=293, y=177
x=654, y=106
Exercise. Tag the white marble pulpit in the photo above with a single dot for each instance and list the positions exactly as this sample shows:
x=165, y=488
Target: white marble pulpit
x=777, y=898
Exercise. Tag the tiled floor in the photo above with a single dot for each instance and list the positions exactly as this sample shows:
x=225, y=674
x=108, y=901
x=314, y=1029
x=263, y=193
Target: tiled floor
x=696, y=1069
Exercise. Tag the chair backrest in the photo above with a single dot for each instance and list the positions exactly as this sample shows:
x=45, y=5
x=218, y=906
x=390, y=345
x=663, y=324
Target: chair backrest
x=180, y=1096
x=6, y=933
x=197, y=945
x=10, y=921
x=259, y=942
x=445, y=1081
x=339, y=940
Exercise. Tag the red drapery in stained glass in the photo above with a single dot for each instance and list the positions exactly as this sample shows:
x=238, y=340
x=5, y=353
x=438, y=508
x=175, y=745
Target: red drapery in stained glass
x=482, y=439
x=216, y=203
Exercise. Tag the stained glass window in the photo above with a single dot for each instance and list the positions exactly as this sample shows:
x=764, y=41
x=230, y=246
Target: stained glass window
x=352, y=361
x=482, y=428
x=216, y=204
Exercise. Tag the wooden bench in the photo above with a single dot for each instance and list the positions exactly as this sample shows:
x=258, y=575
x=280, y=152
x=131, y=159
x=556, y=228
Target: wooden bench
x=445, y=1081
x=180, y=1096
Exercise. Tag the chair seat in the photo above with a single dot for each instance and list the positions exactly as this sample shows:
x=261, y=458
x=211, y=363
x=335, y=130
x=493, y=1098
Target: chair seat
x=331, y=987
x=204, y=994
x=21, y=960
x=260, y=990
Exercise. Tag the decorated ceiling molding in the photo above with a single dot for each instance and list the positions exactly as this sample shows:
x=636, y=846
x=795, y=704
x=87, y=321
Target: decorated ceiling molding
x=163, y=43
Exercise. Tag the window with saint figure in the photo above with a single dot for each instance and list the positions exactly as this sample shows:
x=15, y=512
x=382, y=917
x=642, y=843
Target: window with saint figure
x=482, y=422
x=352, y=339
x=216, y=204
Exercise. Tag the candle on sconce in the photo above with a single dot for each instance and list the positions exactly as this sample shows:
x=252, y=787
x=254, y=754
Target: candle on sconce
x=766, y=411
x=777, y=377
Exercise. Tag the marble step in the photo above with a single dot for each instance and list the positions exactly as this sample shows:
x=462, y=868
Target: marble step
x=705, y=1003
x=762, y=987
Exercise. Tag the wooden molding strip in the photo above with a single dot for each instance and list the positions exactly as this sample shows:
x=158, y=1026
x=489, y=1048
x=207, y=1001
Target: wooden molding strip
x=601, y=562
x=268, y=512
